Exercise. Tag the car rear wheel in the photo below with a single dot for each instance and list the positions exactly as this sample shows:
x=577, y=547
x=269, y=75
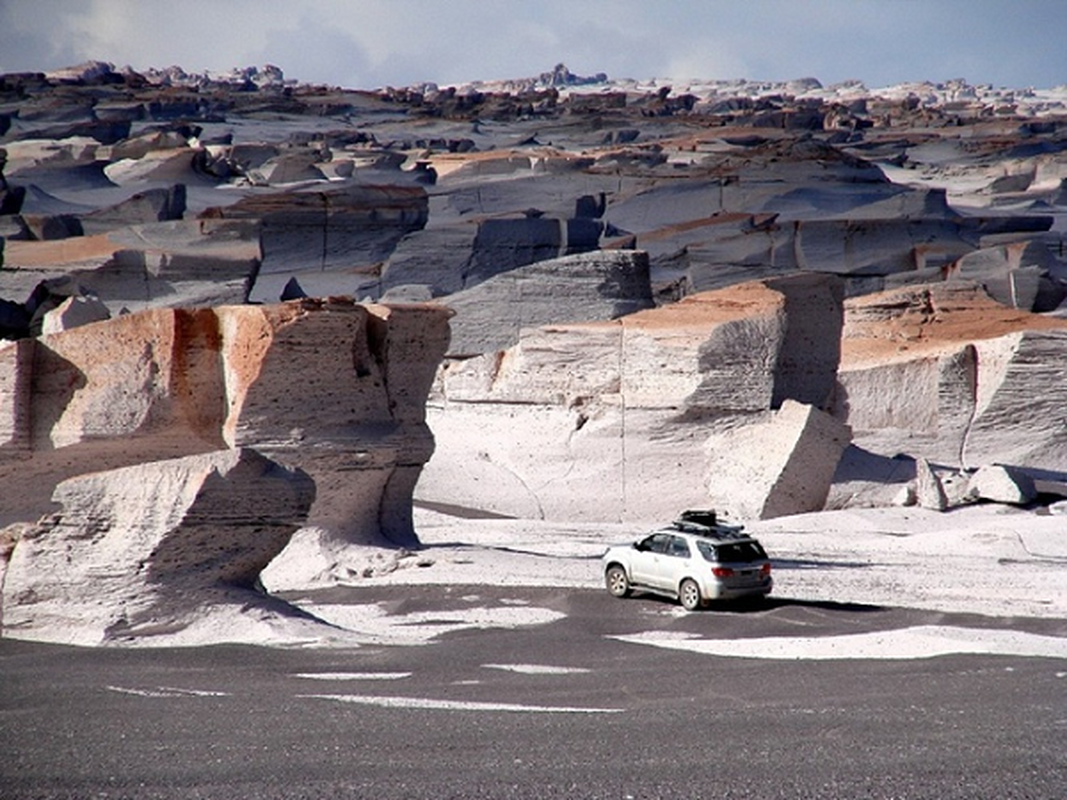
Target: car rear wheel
x=689, y=595
x=617, y=582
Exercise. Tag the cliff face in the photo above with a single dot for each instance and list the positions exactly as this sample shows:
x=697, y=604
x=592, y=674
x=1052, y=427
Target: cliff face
x=622, y=420
x=946, y=373
x=330, y=386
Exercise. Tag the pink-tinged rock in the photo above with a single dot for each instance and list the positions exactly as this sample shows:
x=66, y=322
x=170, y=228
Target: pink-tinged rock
x=331, y=386
x=16, y=369
x=945, y=373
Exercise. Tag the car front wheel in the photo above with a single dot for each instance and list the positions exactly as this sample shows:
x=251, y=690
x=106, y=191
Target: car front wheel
x=617, y=582
x=689, y=595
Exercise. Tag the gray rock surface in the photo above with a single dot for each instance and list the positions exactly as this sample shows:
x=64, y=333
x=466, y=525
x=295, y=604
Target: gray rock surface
x=929, y=492
x=779, y=466
x=594, y=286
x=630, y=406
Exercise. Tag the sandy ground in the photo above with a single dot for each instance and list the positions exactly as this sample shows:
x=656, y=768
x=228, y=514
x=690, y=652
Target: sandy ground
x=989, y=560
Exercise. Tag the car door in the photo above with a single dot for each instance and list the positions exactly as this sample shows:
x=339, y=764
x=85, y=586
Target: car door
x=672, y=563
x=644, y=565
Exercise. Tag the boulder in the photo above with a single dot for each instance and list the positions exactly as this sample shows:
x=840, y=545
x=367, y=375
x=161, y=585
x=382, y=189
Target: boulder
x=146, y=552
x=171, y=166
x=72, y=313
x=600, y=285
x=151, y=205
x=288, y=168
x=779, y=466
x=929, y=493
x=1001, y=484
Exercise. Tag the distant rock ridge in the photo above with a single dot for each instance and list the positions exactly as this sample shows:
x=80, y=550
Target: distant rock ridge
x=104, y=72
x=952, y=94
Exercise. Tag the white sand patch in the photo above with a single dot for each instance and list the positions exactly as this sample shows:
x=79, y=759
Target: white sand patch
x=371, y=623
x=925, y=641
x=536, y=669
x=352, y=676
x=456, y=705
x=991, y=560
x=166, y=691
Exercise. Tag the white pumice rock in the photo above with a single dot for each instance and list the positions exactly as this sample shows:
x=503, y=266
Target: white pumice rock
x=1001, y=484
x=140, y=552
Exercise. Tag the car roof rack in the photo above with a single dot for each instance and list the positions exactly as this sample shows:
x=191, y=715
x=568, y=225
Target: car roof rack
x=705, y=522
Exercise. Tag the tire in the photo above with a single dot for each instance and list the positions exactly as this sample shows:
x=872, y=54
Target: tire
x=616, y=581
x=689, y=595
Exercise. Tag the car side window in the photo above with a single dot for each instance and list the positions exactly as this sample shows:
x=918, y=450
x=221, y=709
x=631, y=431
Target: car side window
x=657, y=543
x=708, y=551
x=679, y=547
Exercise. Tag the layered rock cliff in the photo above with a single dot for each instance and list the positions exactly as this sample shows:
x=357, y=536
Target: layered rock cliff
x=613, y=420
x=329, y=385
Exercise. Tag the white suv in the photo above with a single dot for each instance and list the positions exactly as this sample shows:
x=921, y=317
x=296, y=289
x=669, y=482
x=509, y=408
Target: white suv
x=695, y=559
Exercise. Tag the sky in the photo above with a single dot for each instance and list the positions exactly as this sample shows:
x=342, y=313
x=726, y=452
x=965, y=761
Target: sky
x=366, y=44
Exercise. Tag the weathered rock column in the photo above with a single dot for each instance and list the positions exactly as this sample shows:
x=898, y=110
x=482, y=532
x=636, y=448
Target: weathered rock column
x=339, y=389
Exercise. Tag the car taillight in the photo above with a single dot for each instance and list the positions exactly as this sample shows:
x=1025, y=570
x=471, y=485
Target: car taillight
x=722, y=572
x=765, y=569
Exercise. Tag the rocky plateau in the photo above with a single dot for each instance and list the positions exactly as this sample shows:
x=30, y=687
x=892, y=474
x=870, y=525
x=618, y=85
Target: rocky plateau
x=251, y=324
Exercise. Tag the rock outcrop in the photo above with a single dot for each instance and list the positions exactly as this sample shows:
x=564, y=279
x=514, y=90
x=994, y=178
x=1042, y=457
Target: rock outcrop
x=452, y=258
x=781, y=466
x=317, y=229
x=943, y=373
x=176, y=263
x=956, y=377
x=594, y=286
x=333, y=387
x=154, y=550
x=611, y=420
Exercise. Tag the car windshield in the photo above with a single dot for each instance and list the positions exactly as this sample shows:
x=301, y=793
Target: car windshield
x=732, y=552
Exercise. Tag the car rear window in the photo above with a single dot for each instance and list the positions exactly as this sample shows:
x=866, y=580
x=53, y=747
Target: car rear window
x=732, y=552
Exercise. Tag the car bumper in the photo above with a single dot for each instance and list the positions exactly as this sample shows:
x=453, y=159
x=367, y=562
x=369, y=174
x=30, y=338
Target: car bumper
x=723, y=591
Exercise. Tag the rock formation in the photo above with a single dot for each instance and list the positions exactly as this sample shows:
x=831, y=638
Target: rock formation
x=152, y=550
x=601, y=285
x=955, y=374
x=333, y=387
x=828, y=264
x=326, y=229
x=945, y=373
x=781, y=466
x=611, y=420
